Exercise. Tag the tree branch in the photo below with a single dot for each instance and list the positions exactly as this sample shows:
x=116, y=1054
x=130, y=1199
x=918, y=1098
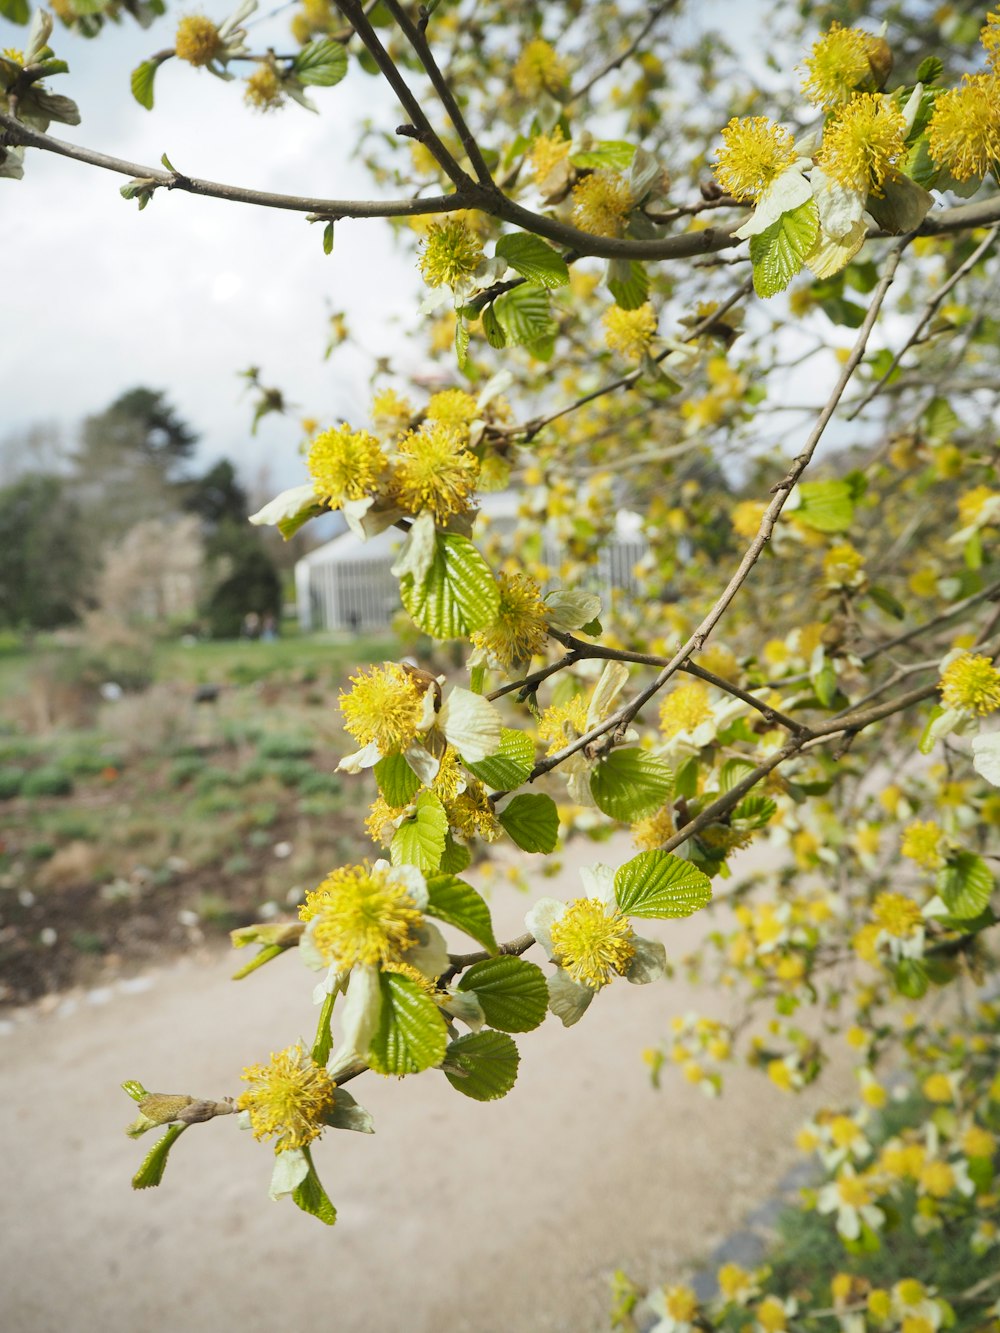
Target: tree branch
x=617, y=61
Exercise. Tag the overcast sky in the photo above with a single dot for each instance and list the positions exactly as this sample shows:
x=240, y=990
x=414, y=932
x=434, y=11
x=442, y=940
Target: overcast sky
x=99, y=298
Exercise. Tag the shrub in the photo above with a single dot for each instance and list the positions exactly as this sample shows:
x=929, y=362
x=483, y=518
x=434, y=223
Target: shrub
x=47, y=781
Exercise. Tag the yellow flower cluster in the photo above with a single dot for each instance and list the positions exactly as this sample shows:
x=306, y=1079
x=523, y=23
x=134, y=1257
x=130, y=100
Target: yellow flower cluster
x=450, y=253
x=391, y=412
x=562, y=723
x=287, y=1099
x=921, y=843
x=863, y=144
x=746, y=518
x=897, y=915
x=345, y=465
x=685, y=708
x=844, y=567
x=964, y=132
x=197, y=40
x=362, y=915
x=593, y=943
x=384, y=705
x=838, y=65
x=629, y=331
x=434, y=470
x=539, y=69
x=755, y=150
x=602, y=202
x=520, y=628
x=652, y=832
x=263, y=89
x=471, y=813
x=971, y=683
x=547, y=153
x=973, y=503
x=453, y=407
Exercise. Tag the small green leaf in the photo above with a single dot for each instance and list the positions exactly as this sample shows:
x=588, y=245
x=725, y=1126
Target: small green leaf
x=525, y=314
x=886, y=602
x=458, y=903
x=532, y=822
x=778, y=252
x=929, y=70
x=396, y=780
x=456, y=858
x=965, y=885
x=18, y=11
x=612, y=153
x=686, y=779
x=323, y=1043
x=510, y=766
x=628, y=283
x=827, y=506
x=155, y=1162
x=513, y=994
x=143, y=77
x=458, y=593
x=911, y=978
x=135, y=1089
x=630, y=784
x=419, y=840
x=321, y=63
x=328, y=239
x=411, y=1033
x=659, y=884
x=482, y=1065
x=461, y=343
x=533, y=259
x=824, y=683
x=495, y=335
x=312, y=1198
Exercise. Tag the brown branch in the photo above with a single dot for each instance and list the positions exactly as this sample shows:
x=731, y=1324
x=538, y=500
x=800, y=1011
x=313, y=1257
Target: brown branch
x=616, y=62
x=415, y=36
x=618, y=721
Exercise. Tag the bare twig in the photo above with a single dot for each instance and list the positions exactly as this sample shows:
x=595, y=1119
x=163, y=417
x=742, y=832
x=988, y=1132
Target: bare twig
x=617, y=61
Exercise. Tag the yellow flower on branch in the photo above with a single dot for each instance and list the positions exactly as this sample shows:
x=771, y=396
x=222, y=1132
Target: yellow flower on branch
x=963, y=134
x=755, y=151
x=287, y=1099
x=450, y=253
x=685, y=708
x=629, y=331
x=198, y=40
x=434, y=471
x=263, y=89
x=971, y=683
x=520, y=628
x=602, y=202
x=539, y=69
x=593, y=943
x=345, y=465
x=548, y=152
x=838, y=65
x=363, y=914
x=453, y=407
x=922, y=843
x=863, y=144
x=384, y=705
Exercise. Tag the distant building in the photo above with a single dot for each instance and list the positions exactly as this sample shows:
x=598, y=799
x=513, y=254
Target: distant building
x=347, y=584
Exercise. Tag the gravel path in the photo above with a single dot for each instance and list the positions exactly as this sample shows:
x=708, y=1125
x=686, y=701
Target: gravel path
x=454, y=1217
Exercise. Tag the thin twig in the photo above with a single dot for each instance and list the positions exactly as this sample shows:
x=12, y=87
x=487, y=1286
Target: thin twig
x=616, y=62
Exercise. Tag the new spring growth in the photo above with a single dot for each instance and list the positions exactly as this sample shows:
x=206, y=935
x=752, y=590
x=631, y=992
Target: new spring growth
x=164, y=1108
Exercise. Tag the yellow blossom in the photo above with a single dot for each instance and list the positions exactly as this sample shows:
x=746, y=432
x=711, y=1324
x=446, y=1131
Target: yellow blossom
x=879, y=1304
x=844, y=567
x=433, y=470
x=990, y=809
x=453, y=407
x=263, y=90
x=771, y=1315
x=916, y=1323
x=287, y=1099
x=805, y=848
x=755, y=151
x=629, y=331
x=450, y=779
x=746, y=518
x=922, y=843
x=520, y=628
x=363, y=915
x=471, y=813
x=652, y=832
x=345, y=465
x=721, y=661
x=384, y=705
x=937, y=1179
x=685, y=708
x=838, y=65
x=781, y=1075
x=938, y=1088
x=897, y=915
x=197, y=40
x=450, y=253
x=963, y=134
x=681, y=1303
x=971, y=683
x=592, y=943
x=734, y=1282
x=864, y=143
x=972, y=504
x=380, y=821
x=547, y=153
x=978, y=1142
x=562, y=723
x=539, y=69
x=391, y=412
x=601, y=203
x=989, y=35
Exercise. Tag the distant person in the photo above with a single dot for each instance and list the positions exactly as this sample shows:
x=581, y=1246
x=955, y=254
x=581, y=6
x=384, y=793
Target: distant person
x=269, y=628
x=251, y=626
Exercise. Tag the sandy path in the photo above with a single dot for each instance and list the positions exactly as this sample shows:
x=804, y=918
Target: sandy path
x=455, y=1216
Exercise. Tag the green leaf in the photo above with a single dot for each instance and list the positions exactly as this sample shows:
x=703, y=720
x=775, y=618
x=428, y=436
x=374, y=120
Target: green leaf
x=510, y=766
x=612, y=153
x=312, y=1198
x=911, y=978
x=457, y=595
x=532, y=822
x=323, y=1043
x=321, y=63
x=495, y=335
x=18, y=11
x=135, y=1089
x=461, y=343
x=419, y=840
x=513, y=994
x=733, y=772
x=411, y=1033
x=143, y=77
x=886, y=602
x=929, y=70
x=686, y=779
x=628, y=283
x=533, y=259
x=328, y=239
x=525, y=314
x=456, y=858
x=939, y=421
x=753, y=812
x=482, y=1065
x=826, y=506
x=965, y=885
x=630, y=783
x=458, y=903
x=778, y=252
x=396, y=780
x=155, y=1162
x=825, y=683
x=658, y=884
